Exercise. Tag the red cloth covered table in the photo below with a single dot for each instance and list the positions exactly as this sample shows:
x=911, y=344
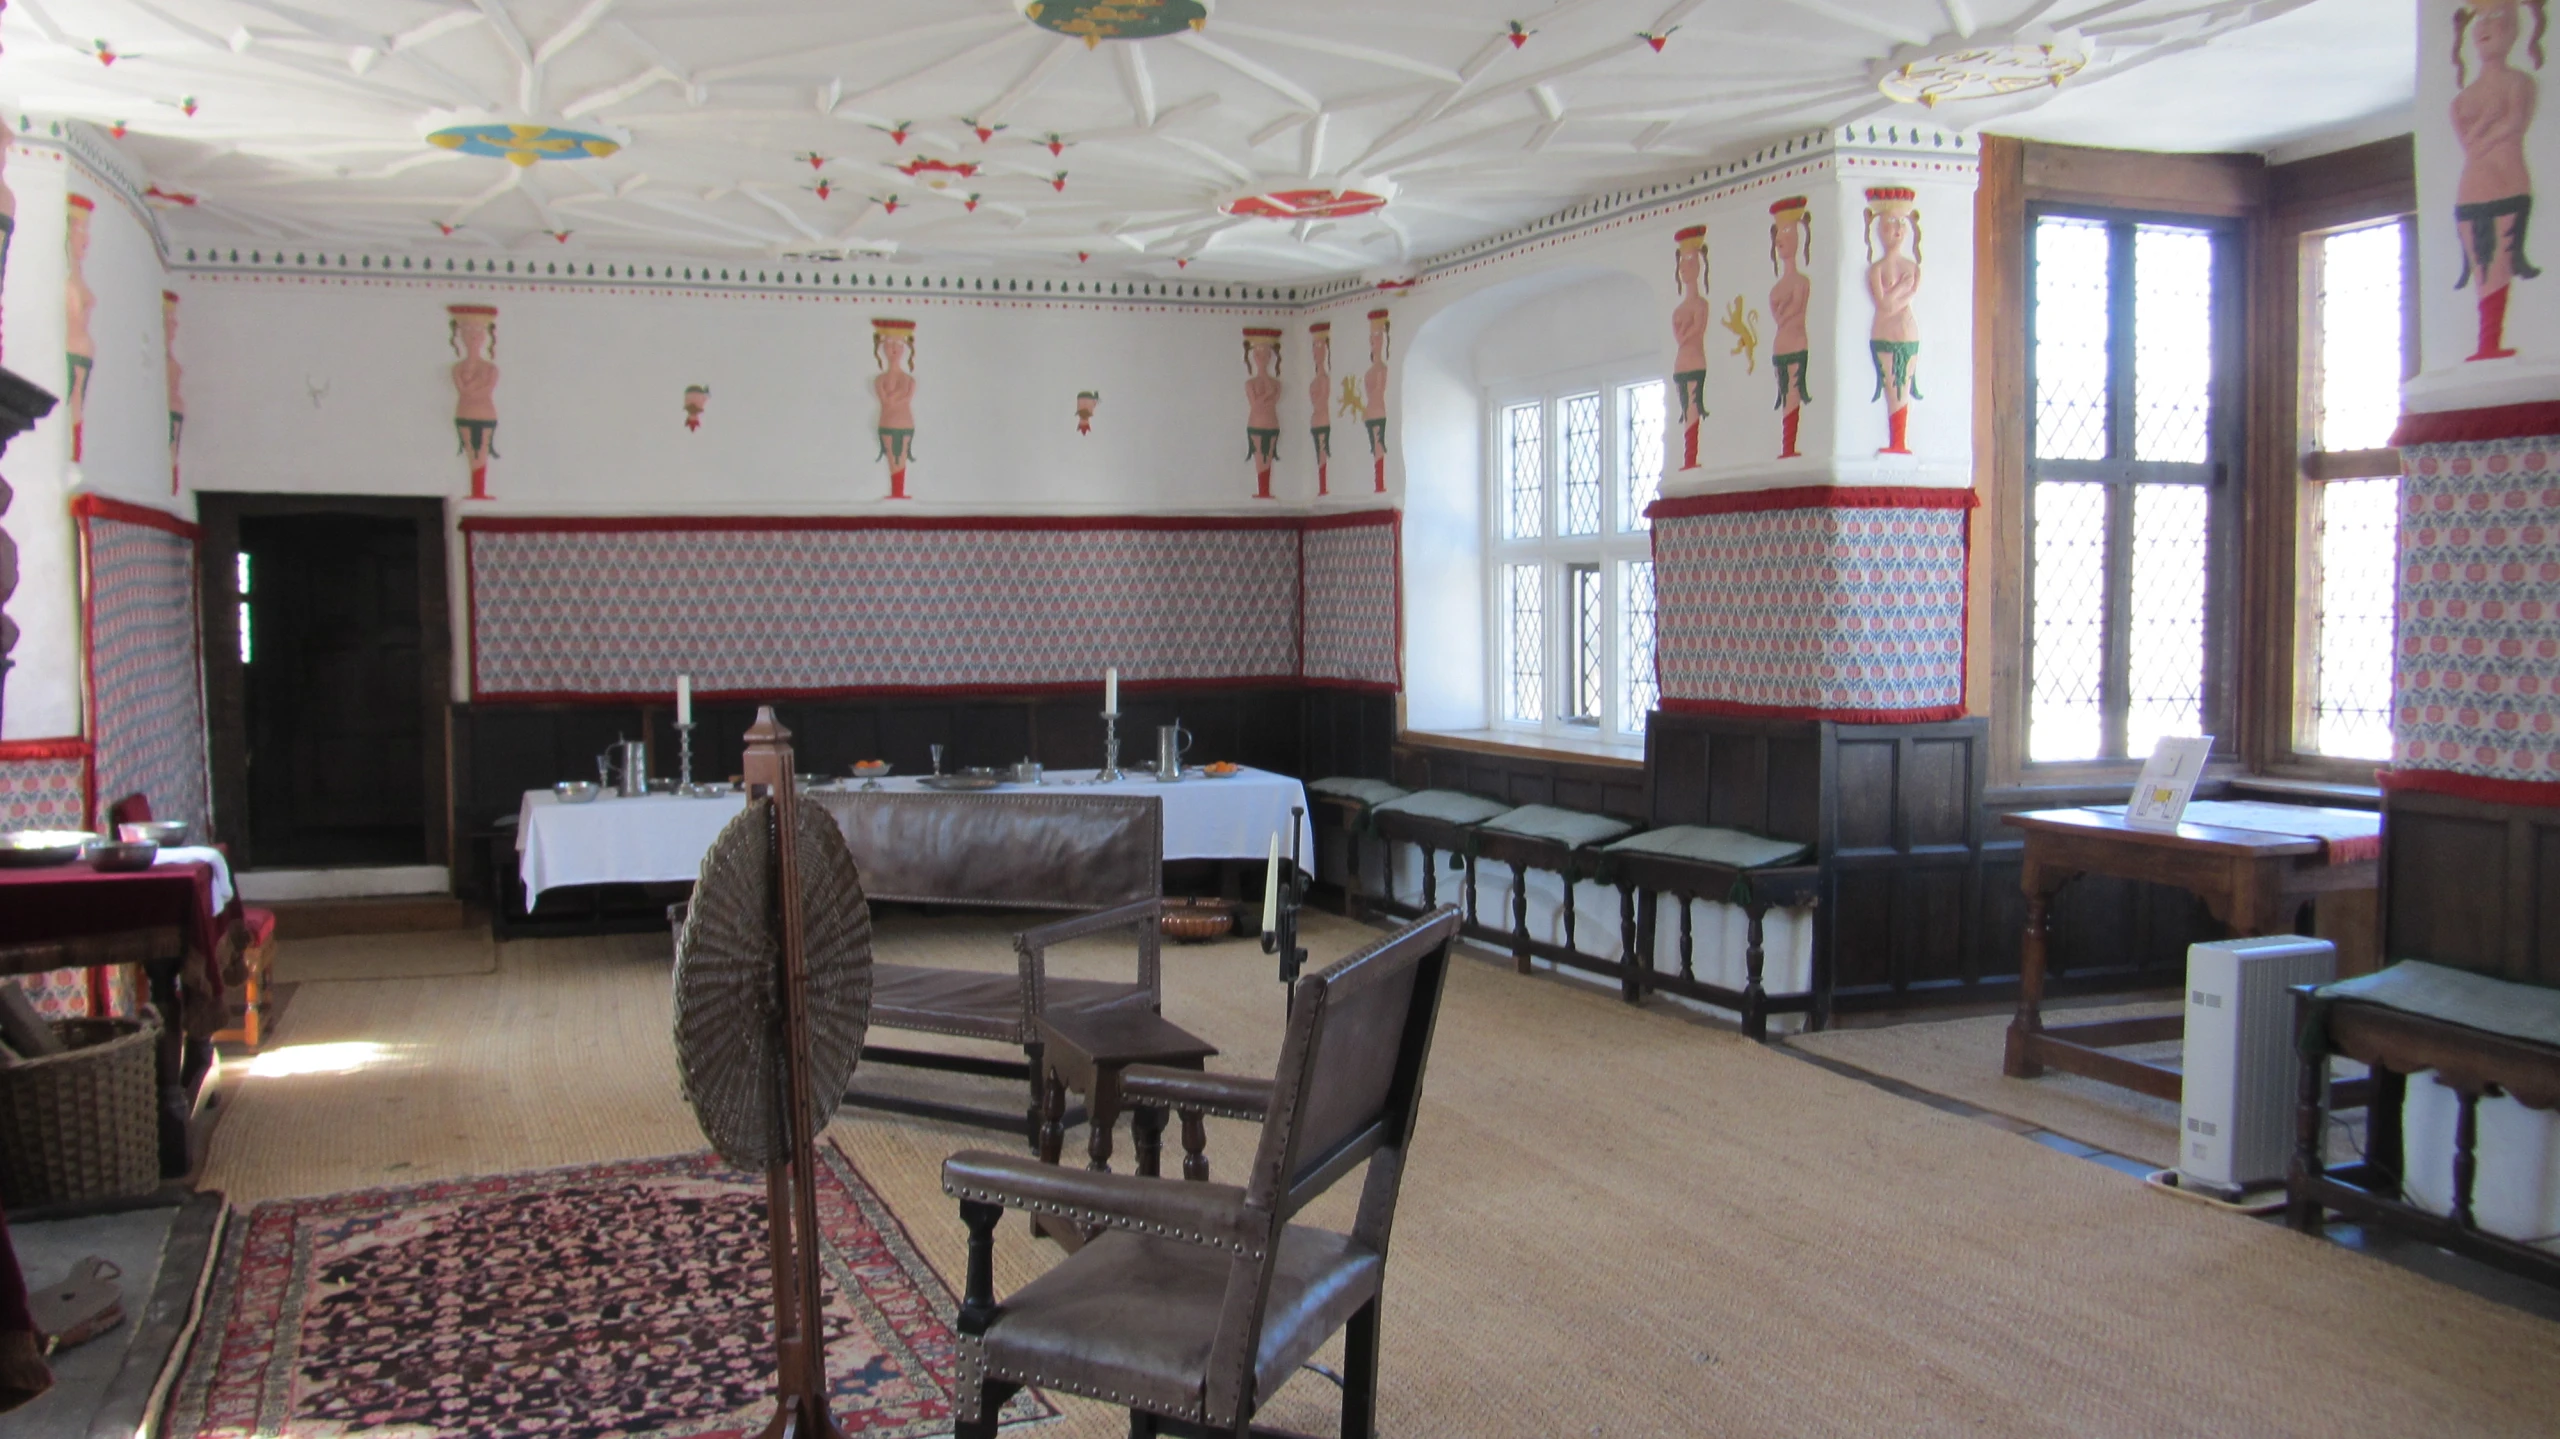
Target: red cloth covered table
x=73, y=901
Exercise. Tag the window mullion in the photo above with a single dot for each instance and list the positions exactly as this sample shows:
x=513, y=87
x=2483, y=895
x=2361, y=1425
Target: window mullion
x=2116, y=684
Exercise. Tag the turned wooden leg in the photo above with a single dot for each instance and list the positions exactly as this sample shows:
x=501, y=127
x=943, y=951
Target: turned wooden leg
x=978, y=1294
x=2016, y=1062
x=1630, y=984
x=1430, y=878
x=1519, y=919
x=1053, y=1127
x=1195, y=1146
x=1146, y=1136
x=1688, y=965
x=1473, y=917
x=2384, y=1153
x=1568, y=909
x=1035, y=1059
x=1352, y=903
x=2466, y=1161
x=1755, y=998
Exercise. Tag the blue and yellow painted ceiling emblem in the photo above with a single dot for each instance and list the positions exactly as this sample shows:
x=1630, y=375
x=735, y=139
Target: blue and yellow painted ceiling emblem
x=523, y=144
x=1094, y=21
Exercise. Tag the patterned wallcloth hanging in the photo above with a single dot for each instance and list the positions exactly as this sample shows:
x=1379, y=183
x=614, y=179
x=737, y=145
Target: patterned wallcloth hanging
x=614, y=608
x=2476, y=687
x=145, y=682
x=44, y=784
x=1352, y=568
x=1814, y=602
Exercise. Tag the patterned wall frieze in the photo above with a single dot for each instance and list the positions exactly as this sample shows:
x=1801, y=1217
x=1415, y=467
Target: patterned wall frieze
x=1819, y=603
x=2476, y=685
x=1349, y=634
x=145, y=681
x=600, y=609
x=44, y=784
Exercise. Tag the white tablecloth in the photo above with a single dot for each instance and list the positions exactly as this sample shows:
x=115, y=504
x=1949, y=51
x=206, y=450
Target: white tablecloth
x=660, y=838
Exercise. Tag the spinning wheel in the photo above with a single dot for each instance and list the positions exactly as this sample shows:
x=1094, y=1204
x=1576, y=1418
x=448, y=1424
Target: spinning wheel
x=729, y=984
x=773, y=993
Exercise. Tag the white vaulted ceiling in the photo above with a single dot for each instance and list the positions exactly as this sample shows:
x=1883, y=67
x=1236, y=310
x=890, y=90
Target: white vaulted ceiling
x=764, y=128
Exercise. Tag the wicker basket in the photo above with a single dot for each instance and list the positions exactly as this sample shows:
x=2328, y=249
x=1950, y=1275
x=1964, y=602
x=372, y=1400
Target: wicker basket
x=84, y=1126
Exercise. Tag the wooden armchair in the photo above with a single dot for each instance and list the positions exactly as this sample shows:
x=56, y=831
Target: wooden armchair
x=1198, y=1300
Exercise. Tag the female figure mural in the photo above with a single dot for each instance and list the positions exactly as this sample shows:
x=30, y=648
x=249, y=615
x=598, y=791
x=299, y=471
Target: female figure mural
x=1790, y=242
x=893, y=344
x=473, y=331
x=1373, y=406
x=2494, y=199
x=80, y=348
x=1262, y=405
x=177, y=397
x=1689, y=321
x=1319, y=392
x=697, y=398
x=1893, y=282
x=1086, y=402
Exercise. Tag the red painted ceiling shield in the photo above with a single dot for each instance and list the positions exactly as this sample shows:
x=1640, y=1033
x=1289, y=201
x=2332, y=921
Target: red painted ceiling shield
x=1307, y=204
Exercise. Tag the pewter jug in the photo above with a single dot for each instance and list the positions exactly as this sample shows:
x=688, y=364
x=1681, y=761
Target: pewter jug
x=625, y=766
x=1172, y=743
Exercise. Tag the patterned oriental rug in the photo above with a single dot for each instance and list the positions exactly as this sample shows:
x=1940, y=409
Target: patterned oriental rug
x=629, y=1300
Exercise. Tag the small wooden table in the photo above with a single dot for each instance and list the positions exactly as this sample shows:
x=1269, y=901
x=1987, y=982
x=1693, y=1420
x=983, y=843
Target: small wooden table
x=1086, y=1053
x=2254, y=881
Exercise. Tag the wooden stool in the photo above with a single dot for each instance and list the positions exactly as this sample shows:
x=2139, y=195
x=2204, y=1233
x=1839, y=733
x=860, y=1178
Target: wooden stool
x=260, y=953
x=1086, y=1053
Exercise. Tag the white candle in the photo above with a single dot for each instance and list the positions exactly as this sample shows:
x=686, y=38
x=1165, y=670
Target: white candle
x=1271, y=886
x=1111, y=690
x=684, y=699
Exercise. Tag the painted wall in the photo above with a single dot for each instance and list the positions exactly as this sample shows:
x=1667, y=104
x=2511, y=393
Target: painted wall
x=126, y=454
x=2485, y=179
x=343, y=386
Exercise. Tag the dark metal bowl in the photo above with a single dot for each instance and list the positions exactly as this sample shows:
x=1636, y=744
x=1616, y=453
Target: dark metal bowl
x=119, y=856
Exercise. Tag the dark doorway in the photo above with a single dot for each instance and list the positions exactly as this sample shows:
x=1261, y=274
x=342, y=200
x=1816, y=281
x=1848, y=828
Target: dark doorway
x=327, y=638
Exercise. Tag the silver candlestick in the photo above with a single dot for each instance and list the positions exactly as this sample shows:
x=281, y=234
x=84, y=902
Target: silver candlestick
x=1110, y=770
x=684, y=758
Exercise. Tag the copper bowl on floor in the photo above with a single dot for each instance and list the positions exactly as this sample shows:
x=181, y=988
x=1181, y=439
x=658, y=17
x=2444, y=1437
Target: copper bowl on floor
x=1197, y=921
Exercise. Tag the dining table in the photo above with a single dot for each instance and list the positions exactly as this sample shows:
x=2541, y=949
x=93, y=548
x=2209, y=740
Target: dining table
x=661, y=838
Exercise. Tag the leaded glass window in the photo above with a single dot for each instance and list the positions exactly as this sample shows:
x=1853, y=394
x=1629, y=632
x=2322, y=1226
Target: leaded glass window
x=2355, y=348
x=2130, y=327
x=1524, y=472
x=1580, y=468
x=1575, y=463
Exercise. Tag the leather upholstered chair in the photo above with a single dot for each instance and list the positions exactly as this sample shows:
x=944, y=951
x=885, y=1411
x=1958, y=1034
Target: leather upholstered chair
x=1196, y=1301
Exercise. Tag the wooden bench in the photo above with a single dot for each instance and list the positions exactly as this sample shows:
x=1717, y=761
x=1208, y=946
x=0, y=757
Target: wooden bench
x=2473, y=998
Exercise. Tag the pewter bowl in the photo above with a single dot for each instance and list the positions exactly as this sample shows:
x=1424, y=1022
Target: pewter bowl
x=162, y=832
x=29, y=848
x=119, y=856
x=577, y=791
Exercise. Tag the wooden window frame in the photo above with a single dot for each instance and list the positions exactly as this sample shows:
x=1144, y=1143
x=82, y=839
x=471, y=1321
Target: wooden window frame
x=2123, y=474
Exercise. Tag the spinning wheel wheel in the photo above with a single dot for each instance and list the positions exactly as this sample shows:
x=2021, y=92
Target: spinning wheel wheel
x=728, y=1010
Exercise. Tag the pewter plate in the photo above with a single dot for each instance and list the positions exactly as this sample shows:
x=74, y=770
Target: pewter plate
x=29, y=848
x=961, y=782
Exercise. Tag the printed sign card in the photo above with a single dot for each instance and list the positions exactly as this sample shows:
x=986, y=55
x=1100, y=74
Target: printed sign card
x=2160, y=796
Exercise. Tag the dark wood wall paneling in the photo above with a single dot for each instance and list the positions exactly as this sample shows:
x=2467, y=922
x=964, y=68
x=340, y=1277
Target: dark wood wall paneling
x=2472, y=884
x=502, y=750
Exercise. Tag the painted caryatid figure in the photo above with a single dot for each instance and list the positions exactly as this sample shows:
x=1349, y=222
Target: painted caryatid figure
x=893, y=345
x=80, y=348
x=1373, y=397
x=1320, y=398
x=473, y=331
x=1790, y=352
x=177, y=390
x=1893, y=283
x=1087, y=401
x=1689, y=321
x=697, y=398
x=2493, y=201
x=1262, y=405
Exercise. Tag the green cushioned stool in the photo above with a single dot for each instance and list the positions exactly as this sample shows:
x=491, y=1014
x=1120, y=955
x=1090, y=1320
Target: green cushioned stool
x=1724, y=866
x=1539, y=836
x=1342, y=804
x=1436, y=821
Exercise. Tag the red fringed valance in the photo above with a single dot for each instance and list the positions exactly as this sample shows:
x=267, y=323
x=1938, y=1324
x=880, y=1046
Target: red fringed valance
x=99, y=507
x=1794, y=712
x=32, y=749
x=2539, y=793
x=1817, y=497
x=2493, y=422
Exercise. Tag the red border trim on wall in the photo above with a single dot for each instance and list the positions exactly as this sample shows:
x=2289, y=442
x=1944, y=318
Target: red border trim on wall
x=2539, y=793
x=101, y=508
x=2490, y=422
x=1816, y=497
x=847, y=692
x=35, y=749
x=1806, y=712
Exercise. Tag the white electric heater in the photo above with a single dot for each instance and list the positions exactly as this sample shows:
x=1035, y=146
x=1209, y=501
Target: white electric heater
x=2240, y=1082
